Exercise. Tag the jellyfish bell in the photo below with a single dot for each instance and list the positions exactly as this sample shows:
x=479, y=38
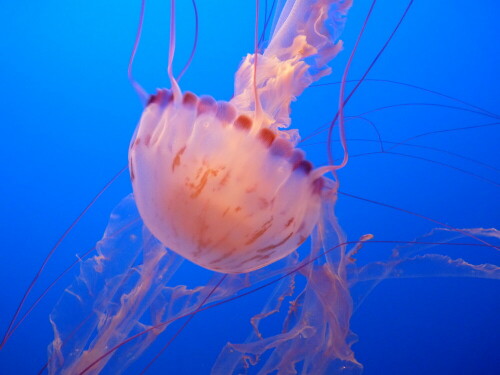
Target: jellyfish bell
x=217, y=190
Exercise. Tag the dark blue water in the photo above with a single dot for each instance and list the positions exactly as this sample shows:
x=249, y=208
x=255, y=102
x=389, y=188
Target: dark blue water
x=68, y=113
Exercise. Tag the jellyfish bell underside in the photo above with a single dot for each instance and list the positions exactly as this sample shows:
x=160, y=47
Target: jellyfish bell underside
x=224, y=186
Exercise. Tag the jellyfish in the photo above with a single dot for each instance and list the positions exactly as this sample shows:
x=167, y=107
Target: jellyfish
x=224, y=185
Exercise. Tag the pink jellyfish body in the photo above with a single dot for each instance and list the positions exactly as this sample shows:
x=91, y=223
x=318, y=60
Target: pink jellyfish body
x=222, y=184
x=223, y=195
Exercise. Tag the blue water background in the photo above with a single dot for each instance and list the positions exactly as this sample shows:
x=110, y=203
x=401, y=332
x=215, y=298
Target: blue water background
x=68, y=113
